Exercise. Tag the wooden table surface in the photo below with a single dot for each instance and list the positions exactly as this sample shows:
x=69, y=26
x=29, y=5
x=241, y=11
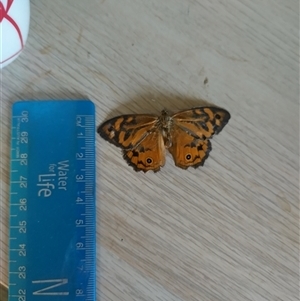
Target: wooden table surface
x=225, y=231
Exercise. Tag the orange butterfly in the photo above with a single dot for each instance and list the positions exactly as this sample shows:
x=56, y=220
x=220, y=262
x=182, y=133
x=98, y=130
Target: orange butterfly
x=185, y=134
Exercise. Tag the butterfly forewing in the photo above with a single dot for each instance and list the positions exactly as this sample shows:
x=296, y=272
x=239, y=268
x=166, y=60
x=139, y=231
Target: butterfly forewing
x=202, y=122
x=127, y=131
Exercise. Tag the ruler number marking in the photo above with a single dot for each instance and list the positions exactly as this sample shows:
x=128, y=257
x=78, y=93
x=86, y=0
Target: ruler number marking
x=23, y=182
x=23, y=160
x=24, y=116
x=22, y=253
x=24, y=137
x=79, y=155
x=22, y=226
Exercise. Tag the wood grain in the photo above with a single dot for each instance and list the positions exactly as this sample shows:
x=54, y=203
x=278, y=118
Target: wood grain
x=226, y=231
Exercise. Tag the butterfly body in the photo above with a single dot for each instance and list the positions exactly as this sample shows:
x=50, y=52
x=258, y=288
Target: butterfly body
x=144, y=138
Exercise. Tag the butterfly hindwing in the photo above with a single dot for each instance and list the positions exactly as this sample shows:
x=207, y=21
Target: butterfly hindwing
x=188, y=151
x=202, y=122
x=148, y=155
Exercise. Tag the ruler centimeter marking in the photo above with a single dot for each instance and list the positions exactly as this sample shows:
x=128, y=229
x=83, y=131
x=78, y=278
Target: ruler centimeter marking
x=52, y=201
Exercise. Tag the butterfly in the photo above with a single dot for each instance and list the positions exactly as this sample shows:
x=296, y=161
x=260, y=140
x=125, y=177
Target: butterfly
x=186, y=134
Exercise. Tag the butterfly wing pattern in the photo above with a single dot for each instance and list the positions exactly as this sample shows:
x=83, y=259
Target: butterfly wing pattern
x=140, y=139
x=144, y=138
x=191, y=131
x=149, y=154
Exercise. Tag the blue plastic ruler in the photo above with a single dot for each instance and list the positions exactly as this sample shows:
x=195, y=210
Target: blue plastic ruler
x=52, y=201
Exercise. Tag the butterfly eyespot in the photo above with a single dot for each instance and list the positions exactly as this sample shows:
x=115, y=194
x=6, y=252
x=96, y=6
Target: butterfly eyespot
x=188, y=157
x=218, y=116
x=149, y=160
